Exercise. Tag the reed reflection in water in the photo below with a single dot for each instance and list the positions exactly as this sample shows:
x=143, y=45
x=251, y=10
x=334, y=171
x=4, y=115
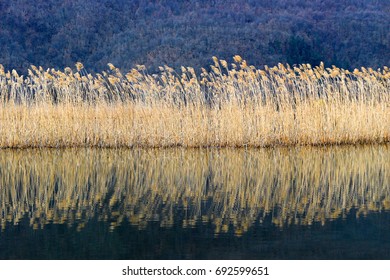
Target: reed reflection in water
x=229, y=188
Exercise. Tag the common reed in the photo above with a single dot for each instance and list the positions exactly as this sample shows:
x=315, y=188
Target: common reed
x=232, y=105
x=229, y=188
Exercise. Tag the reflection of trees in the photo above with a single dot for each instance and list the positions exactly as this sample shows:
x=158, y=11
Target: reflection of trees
x=229, y=188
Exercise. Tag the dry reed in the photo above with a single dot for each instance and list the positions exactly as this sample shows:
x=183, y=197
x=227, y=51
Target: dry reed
x=232, y=105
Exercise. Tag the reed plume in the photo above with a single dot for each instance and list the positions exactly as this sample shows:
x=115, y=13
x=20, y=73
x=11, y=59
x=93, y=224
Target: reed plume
x=232, y=106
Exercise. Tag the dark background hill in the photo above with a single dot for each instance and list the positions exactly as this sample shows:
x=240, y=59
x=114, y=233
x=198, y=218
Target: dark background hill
x=58, y=33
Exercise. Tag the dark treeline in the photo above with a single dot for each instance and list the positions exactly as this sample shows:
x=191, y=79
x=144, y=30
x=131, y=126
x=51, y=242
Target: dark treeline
x=58, y=33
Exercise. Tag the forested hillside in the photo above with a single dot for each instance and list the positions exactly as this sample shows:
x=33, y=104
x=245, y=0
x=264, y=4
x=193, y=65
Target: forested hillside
x=58, y=33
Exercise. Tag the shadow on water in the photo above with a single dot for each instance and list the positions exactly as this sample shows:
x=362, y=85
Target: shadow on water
x=300, y=203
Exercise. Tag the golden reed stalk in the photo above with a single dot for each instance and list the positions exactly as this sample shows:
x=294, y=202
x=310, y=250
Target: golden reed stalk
x=229, y=188
x=232, y=105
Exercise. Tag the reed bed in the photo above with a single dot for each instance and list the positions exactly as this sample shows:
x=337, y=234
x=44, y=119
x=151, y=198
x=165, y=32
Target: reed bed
x=232, y=105
x=230, y=188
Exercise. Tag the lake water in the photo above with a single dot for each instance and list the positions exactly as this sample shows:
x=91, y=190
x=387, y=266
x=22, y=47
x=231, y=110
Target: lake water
x=297, y=203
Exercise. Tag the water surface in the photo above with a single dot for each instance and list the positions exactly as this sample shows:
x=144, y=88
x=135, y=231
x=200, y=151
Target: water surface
x=298, y=203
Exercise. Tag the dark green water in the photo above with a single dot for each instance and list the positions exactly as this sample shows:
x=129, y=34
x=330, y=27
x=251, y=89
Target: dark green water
x=301, y=203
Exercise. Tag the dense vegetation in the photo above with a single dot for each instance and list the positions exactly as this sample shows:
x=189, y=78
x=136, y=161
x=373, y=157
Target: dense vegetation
x=233, y=105
x=57, y=33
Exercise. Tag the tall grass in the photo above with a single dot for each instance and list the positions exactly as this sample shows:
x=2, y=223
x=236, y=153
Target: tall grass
x=231, y=105
x=229, y=188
